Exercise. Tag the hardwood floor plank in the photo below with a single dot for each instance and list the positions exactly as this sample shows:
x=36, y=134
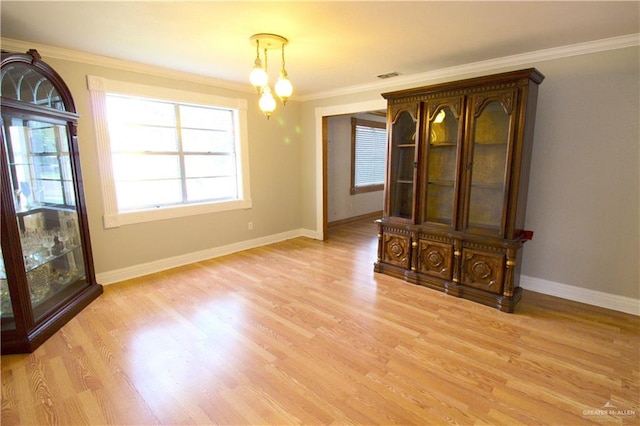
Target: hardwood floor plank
x=304, y=332
x=10, y=414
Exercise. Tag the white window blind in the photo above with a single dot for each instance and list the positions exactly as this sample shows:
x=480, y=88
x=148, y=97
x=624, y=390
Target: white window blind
x=369, y=141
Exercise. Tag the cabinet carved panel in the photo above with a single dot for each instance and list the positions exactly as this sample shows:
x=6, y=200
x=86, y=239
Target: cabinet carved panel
x=396, y=249
x=435, y=259
x=483, y=270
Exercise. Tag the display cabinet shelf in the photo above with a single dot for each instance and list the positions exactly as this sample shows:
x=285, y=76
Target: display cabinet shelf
x=442, y=182
x=436, y=145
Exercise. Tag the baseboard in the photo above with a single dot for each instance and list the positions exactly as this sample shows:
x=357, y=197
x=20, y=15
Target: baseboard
x=372, y=216
x=111, y=277
x=583, y=295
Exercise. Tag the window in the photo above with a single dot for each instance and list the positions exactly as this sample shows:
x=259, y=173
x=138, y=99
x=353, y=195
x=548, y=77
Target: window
x=167, y=153
x=368, y=155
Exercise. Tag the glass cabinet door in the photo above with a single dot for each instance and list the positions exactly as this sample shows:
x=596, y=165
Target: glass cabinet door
x=492, y=127
x=443, y=135
x=402, y=160
x=44, y=201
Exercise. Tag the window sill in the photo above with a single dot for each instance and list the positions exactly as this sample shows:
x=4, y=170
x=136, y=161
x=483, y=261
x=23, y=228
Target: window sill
x=363, y=189
x=162, y=213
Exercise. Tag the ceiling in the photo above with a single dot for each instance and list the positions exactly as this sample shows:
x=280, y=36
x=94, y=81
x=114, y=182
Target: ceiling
x=332, y=44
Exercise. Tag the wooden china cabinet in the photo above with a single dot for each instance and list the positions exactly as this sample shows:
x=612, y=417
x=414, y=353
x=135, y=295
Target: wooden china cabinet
x=456, y=190
x=46, y=266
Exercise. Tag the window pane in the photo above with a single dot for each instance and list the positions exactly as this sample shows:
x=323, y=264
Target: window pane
x=19, y=138
x=209, y=165
x=205, y=118
x=62, y=137
x=207, y=141
x=46, y=167
x=121, y=109
x=136, y=195
x=160, y=149
x=43, y=137
x=145, y=167
x=212, y=189
x=138, y=138
x=65, y=164
x=51, y=192
x=69, y=194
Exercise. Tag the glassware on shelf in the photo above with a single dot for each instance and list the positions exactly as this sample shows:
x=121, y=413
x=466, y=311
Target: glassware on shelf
x=5, y=299
x=42, y=245
x=39, y=283
x=62, y=278
x=64, y=236
x=48, y=242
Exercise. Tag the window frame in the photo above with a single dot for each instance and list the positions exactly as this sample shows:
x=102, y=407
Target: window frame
x=362, y=123
x=112, y=218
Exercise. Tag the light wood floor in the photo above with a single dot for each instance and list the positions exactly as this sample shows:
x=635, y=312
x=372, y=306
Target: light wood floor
x=303, y=332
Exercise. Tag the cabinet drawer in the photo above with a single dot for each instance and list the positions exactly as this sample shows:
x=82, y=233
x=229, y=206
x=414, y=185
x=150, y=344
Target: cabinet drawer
x=435, y=259
x=396, y=249
x=483, y=270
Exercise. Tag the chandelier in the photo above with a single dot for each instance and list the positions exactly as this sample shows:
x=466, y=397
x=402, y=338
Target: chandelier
x=259, y=76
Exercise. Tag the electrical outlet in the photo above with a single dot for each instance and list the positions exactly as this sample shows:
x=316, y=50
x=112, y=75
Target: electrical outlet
x=250, y=226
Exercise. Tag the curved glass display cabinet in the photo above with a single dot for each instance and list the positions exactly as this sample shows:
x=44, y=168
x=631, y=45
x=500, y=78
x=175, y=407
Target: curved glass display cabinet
x=46, y=274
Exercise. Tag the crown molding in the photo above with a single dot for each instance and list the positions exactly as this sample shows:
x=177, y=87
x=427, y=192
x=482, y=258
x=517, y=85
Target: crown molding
x=104, y=61
x=613, y=43
x=595, y=46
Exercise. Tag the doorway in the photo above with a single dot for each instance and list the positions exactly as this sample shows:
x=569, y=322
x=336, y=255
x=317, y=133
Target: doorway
x=326, y=118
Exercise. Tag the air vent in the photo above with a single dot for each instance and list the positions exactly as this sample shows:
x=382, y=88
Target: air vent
x=389, y=75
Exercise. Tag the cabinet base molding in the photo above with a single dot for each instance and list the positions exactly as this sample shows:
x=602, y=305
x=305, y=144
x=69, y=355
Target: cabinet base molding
x=500, y=302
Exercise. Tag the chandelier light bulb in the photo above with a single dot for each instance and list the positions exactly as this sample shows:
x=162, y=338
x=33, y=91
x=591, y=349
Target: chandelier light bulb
x=284, y=88
x=267, y=102
x=258, y=76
